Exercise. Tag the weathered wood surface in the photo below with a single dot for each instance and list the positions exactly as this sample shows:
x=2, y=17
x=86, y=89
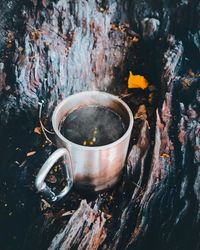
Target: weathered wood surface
x=50, y=49
x=85, y=230
x=153, y=205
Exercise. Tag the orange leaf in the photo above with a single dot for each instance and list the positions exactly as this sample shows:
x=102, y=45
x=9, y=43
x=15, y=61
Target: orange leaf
x=37, y=130
x=137, y=82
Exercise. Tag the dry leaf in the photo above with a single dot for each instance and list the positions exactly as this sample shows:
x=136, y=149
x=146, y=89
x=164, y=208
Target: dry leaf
x=141, y=113
x=37, y=130
x=34, y=35
x=137, y=81
x=135, y=39
x=164, y=155
x=30, y=153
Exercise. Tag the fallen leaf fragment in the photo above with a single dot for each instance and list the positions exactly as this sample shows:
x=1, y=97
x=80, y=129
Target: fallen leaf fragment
x=135, y=39
x=37, y=130
x=137, y=81
x=30, y=153
x=34, y=35
x=165, y=155
x=141, y=113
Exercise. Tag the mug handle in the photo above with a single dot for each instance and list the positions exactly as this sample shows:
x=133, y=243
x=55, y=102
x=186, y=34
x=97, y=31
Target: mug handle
x=40, y=183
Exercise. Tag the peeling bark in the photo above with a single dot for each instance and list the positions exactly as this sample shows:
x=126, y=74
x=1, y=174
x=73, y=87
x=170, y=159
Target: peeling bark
x=85, y=230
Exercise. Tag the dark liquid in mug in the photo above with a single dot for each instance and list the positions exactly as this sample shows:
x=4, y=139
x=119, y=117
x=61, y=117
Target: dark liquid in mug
x=93, y=126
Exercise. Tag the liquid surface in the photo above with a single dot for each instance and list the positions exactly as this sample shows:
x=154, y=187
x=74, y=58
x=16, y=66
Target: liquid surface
x=93, y=126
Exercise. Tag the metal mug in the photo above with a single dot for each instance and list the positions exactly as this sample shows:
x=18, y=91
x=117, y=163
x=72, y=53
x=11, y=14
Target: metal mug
x=89, y=168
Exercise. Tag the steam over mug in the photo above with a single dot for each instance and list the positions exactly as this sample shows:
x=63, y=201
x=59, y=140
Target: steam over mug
x=89, y=168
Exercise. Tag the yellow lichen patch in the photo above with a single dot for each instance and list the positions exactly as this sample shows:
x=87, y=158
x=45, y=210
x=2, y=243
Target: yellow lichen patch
x=137, y=81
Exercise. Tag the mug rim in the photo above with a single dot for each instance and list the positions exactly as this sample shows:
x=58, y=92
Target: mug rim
x=68, y=142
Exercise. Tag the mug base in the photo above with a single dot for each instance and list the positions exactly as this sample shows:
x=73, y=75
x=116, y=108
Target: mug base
x=94, y=189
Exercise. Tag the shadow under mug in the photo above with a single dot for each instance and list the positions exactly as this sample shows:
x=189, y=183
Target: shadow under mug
x=91, y=169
